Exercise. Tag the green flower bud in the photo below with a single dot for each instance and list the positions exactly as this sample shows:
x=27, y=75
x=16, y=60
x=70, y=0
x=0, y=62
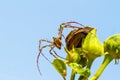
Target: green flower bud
x=112, y=46
x=91, y=46
x=73, y=55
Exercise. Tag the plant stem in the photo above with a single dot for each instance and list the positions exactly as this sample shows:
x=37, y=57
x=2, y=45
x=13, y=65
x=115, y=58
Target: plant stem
x=90, y=61
x=108, y=58
x=64, y=78
x=72, y=75
x=83, y=78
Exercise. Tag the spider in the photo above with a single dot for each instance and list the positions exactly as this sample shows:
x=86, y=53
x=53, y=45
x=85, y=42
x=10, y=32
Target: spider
x=57, y=42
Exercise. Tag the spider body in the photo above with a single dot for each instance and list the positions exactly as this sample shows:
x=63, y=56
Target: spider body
x=57, y=42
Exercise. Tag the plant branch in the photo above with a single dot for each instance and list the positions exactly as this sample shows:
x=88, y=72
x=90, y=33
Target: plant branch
x=106, y=61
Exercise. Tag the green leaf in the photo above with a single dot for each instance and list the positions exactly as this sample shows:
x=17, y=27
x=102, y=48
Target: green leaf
x=79, y=69
x=60, y=66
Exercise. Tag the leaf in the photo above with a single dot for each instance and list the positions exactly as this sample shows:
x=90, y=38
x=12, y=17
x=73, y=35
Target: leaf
x=60, y=66
x=79, y=69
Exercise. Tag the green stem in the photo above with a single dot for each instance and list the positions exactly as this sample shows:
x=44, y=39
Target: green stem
x=106, y=61
x=83, y=78
x=90, y=61
x=64, y=78
x=72, y=75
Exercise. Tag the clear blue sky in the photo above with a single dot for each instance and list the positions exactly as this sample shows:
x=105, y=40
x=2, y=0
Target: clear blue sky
x=24, y=22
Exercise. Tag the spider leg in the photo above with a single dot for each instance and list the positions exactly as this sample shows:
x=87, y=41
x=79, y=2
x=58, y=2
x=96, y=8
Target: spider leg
x=43, y=40
x=58, y=55
x=50, y=51
x=40, y=49
x=46, y=58
x=63, y=36
x=40, y=52
x=38, y=56
x=54, y=53
x=69, y=23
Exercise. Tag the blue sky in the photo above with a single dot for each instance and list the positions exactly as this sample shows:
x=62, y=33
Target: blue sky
x=24, y=22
